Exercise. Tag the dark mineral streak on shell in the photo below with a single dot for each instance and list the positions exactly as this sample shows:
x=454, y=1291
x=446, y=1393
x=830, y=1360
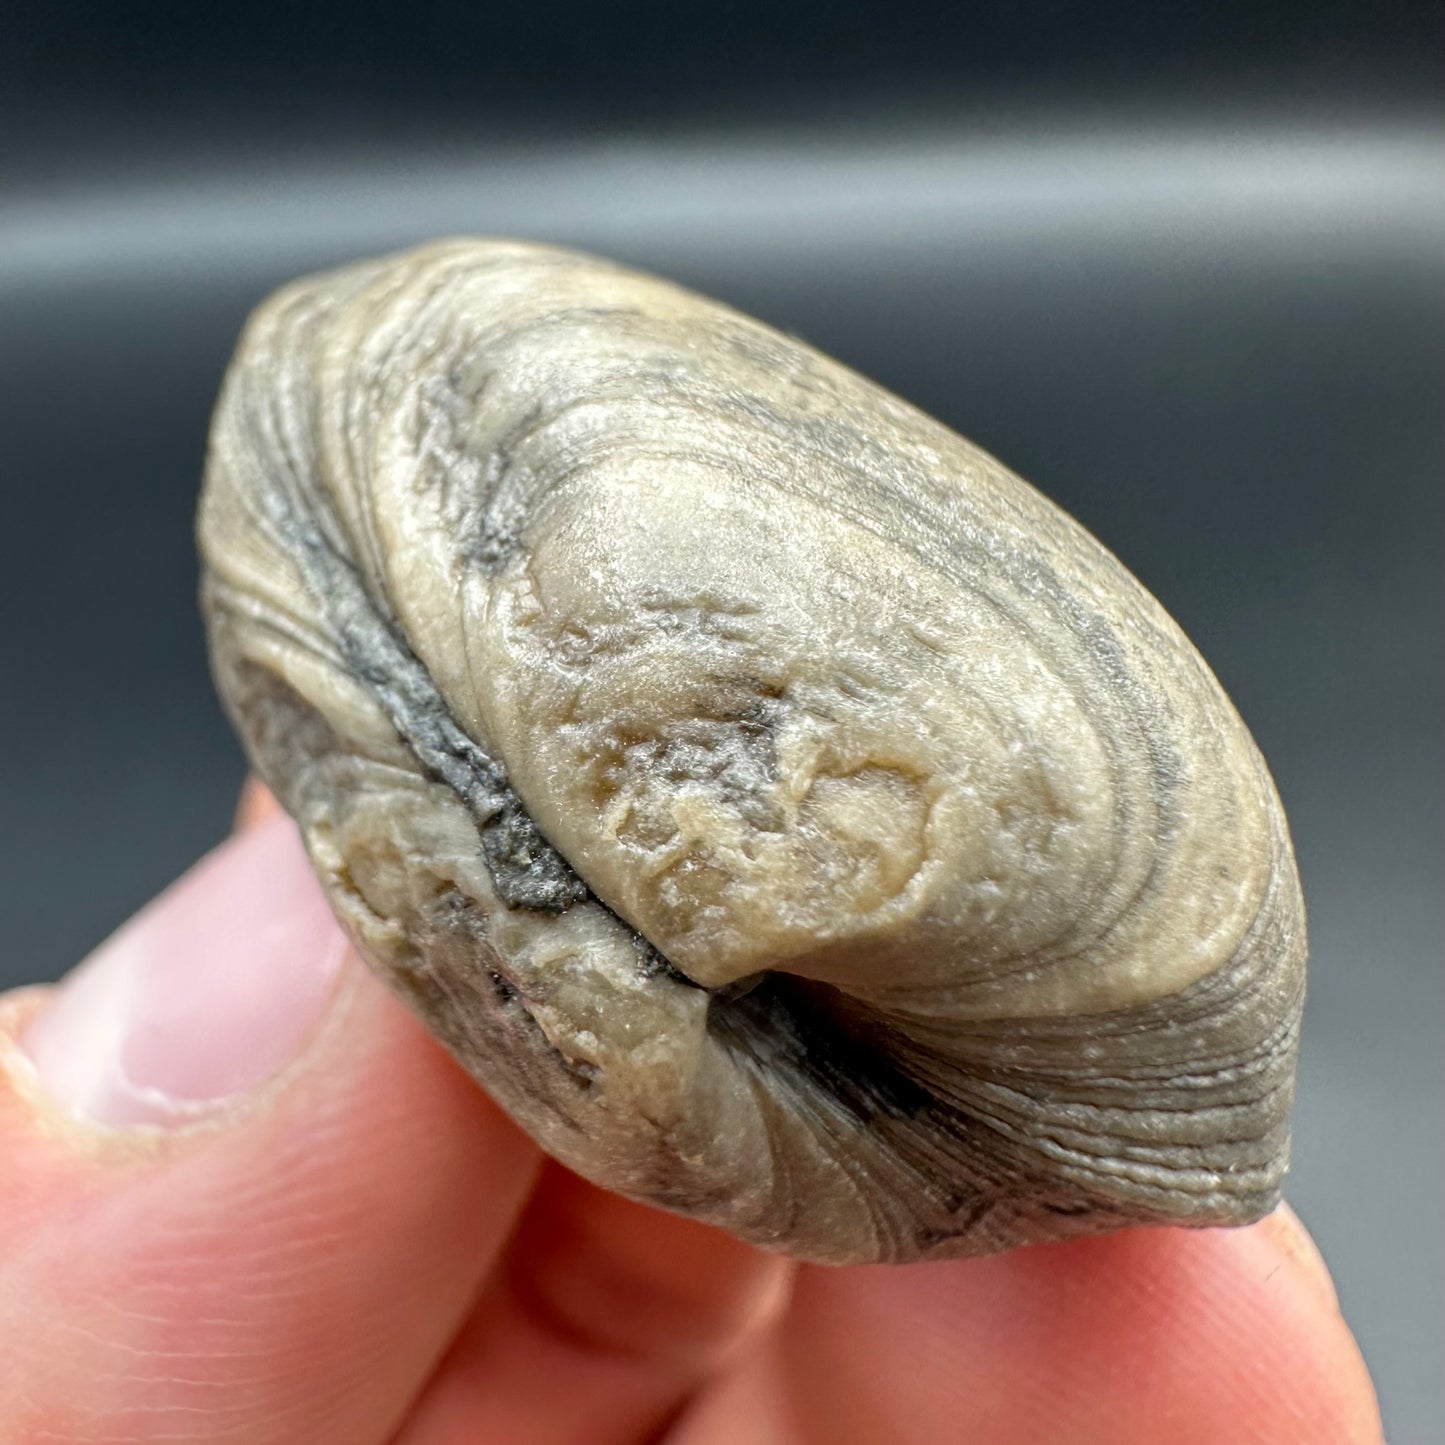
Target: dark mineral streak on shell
x=790, y=816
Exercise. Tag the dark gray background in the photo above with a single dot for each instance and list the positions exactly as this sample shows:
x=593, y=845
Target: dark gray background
x=1187, y=276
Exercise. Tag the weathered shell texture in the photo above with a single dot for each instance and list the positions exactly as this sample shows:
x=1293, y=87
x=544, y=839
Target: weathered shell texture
x=791, y=817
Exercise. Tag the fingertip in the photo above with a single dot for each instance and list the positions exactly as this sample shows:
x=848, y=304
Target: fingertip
x=286, y=1264
x=1190, y=1336
x=256, y=804
x=1287, y=1232
x=190, y=1007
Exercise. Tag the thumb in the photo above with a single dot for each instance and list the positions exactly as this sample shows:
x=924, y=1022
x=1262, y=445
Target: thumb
x=242, y=1195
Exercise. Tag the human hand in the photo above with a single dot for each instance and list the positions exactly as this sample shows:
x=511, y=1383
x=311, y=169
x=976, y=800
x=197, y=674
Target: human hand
x=245, y=1198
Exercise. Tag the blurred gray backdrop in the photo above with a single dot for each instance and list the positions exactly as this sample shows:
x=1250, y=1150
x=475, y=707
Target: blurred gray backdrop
x=1211, y=326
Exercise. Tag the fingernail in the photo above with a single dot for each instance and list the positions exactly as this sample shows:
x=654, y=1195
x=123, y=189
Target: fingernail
x=204, y=995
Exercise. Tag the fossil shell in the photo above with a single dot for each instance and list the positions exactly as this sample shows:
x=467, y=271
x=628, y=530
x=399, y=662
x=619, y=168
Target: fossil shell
x=791, y=817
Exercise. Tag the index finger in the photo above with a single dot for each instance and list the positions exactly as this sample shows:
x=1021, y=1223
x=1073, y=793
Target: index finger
x=1190, y=1337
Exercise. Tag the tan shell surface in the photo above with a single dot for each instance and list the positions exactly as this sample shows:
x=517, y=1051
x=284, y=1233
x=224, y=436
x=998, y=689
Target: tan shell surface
x=787, y=813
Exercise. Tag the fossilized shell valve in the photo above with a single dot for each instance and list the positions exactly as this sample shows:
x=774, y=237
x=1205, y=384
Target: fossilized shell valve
x=791, y=817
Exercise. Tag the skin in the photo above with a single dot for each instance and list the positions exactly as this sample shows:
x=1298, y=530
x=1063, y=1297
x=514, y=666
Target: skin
x=228, y=1288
